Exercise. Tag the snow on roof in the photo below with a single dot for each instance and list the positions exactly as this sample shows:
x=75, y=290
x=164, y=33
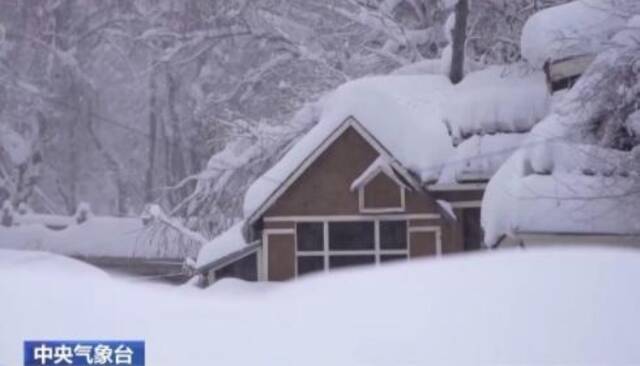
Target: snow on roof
x=560, y=160
x=447, y=208
x=402, y=112
x=562, y=203
x=572, y=29
x=96, y=237
x=223, y=245
x=379, y=165
x=479, y=157
x=497, y=99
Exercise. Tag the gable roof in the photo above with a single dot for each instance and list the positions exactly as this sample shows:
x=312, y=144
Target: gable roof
x=400, y=116
x=379, y=166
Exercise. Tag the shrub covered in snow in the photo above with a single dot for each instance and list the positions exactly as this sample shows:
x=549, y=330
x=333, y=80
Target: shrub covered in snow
x=83, y=213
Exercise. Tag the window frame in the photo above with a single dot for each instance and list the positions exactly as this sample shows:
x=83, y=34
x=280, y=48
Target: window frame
x=362, y=207
x=377, y=252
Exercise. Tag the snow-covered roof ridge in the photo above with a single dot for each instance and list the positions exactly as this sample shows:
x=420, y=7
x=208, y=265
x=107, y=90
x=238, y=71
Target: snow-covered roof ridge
x=498, y=99
x=399, y=112
x=576, y=28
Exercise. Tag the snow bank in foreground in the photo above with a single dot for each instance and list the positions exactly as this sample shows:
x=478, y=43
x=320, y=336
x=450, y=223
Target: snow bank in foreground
x=403, y=112
x=577, y=28
x=508, y=307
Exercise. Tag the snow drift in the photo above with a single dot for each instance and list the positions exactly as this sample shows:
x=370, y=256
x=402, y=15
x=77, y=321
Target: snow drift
x=509, y=307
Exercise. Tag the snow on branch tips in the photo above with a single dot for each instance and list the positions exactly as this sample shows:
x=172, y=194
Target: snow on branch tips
x=156, y=214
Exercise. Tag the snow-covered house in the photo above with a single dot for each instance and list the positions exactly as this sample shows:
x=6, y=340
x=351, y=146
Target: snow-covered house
x=394, y=169
x=488, y=116
x=571, y=181
x=350, y=192
x=564, y=40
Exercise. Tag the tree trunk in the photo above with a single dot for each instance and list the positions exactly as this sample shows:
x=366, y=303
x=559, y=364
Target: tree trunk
x=459, y=38
x=153, y=131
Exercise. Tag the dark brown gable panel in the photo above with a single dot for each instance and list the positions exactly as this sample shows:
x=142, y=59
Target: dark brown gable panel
x=382, y=192
x=325, y=187
x=422, y=243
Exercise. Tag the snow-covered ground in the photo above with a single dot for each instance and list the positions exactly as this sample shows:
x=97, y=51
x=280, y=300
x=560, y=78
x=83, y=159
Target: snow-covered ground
x=532, y=306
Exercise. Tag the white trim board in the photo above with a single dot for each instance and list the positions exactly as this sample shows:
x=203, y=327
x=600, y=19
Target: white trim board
x=315, y=154
x=379, y=166
x=362, y=208
x=430, y=229
x=456, y=187
x=428, y=216
x=466, y=204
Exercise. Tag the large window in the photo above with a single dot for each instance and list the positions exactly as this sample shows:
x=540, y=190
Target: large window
x=335, y=244
x=351, y=235
x=393, y=234
x=337, y=261
x=309, y=236
x=308, y=264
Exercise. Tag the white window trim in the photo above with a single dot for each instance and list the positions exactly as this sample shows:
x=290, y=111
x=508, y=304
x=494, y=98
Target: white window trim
x=377, y=252
x=457, y=187
x=466, y=204
x=322, y=218
x=263, y=270
x=430, y=229
x=362, y=208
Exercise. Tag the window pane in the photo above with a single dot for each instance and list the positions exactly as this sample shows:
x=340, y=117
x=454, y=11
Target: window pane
x=392, y=257
x=338, y=261
x=309, y=236
x=356, y=235
x=393, y=234
x=310, y=264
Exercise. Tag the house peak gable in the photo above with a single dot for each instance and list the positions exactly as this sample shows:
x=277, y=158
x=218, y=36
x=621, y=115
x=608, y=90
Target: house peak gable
x=279, y=186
